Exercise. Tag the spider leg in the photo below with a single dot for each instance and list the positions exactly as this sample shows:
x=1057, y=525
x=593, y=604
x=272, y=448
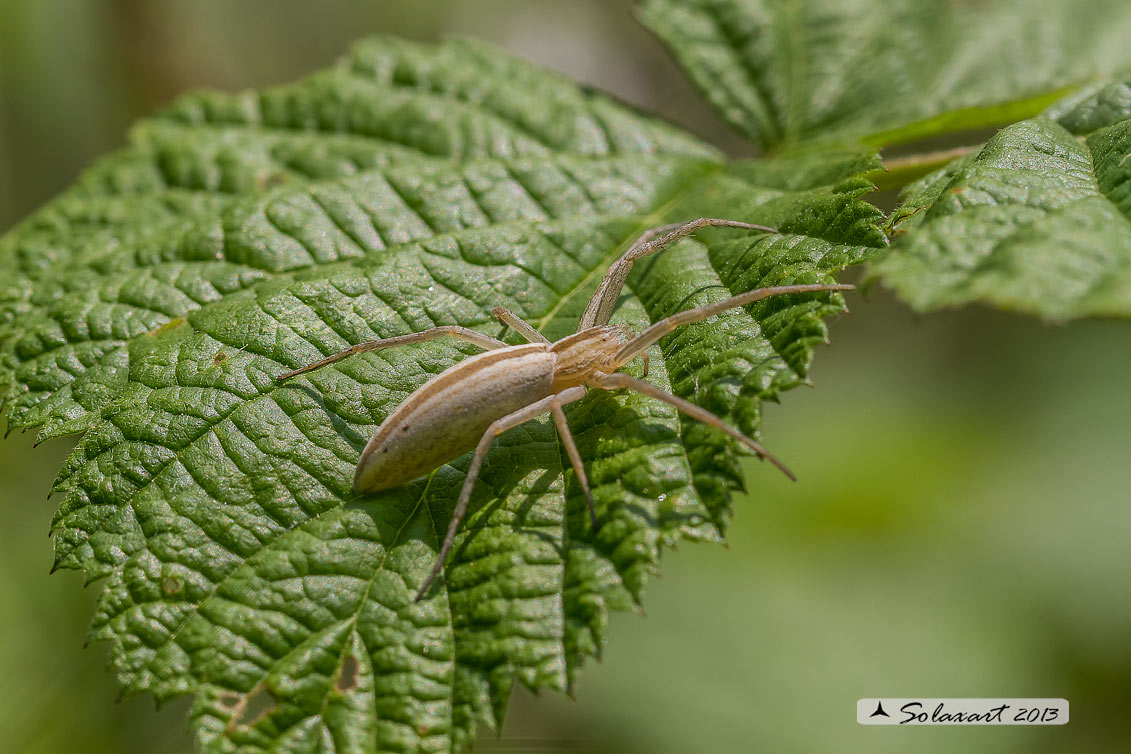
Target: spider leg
x=600, y=307
x=447, y=331
x=518, y=324
x=497, y=427
x=641, y=342
x=620, y=381
x=575, y=460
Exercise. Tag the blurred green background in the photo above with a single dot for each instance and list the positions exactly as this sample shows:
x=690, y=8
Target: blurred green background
x=960, y=528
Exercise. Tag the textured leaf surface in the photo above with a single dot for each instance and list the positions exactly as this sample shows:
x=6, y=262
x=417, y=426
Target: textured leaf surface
x=1037, y=220
x=789, y=71
x=238, y=236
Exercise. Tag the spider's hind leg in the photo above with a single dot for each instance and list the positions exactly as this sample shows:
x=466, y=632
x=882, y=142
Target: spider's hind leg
x=447, y=331
x=498, y=427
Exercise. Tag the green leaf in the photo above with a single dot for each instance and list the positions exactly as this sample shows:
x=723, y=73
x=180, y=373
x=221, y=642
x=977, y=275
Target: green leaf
x=1037, y=220
x=151, y=306
x=784, y=72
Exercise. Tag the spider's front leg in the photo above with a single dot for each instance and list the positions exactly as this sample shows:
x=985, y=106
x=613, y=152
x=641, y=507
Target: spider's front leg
x=600, y=307
x=638, y=345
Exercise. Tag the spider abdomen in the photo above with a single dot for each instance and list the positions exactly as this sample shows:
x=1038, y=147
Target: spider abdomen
x=447, y=416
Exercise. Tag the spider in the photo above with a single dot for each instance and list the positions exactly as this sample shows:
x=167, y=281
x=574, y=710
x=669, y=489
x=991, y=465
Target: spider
x=473, y=402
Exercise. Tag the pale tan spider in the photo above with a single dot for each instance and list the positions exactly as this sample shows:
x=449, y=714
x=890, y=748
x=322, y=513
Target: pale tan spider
x=473, y=402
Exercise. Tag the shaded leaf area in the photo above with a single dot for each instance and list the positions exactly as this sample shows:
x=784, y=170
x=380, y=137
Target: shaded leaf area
x=1037, y=220
x=238, y=236
x=784, y=72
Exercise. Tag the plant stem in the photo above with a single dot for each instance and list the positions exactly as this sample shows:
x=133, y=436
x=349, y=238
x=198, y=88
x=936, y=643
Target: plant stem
x=899, y=171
